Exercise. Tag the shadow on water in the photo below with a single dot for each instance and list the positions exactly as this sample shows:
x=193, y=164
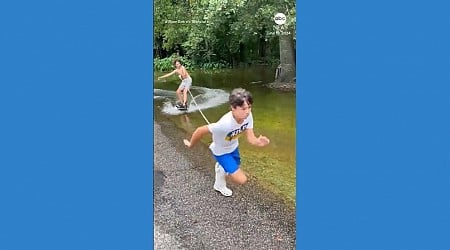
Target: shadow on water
x=274, y=117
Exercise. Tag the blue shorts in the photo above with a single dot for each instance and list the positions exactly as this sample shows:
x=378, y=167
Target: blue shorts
x=230, y=162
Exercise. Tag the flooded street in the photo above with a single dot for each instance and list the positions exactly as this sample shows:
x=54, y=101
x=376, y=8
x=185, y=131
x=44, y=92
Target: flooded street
x=273, y=112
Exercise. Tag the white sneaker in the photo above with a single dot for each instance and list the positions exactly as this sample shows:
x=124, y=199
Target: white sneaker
x=220, y=184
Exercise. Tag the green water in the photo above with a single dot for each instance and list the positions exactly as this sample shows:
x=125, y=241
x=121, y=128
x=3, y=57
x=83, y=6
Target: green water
x=274, y=116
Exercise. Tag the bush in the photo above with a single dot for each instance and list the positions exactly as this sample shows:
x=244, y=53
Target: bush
x=214, y=65
x=166, y=64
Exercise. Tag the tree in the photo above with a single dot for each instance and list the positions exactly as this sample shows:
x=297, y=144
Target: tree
x=286, y=69
x=287, y=59
x=225, y=32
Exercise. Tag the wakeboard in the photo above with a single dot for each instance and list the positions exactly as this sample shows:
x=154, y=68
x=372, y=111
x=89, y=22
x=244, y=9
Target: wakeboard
x=180, y=107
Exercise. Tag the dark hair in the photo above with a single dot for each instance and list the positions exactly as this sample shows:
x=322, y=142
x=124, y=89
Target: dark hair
x=176, y=60
x=239, y=96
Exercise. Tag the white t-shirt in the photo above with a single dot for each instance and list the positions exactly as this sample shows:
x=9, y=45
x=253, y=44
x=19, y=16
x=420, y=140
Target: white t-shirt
x=225, y=133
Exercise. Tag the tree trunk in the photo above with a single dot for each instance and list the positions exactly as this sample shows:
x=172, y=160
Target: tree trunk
x=286, y=69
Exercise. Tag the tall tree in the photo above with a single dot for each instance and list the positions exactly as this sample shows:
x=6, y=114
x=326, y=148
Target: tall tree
x=287, y=59
x=286, y=33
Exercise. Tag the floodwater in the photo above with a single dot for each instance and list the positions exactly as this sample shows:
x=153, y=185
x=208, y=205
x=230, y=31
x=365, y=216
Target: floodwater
x=273, y=114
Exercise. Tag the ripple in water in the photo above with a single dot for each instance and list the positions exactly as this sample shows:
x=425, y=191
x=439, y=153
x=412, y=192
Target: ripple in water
x=205, y=98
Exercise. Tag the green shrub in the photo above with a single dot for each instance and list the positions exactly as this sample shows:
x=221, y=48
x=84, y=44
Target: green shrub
x=166, y=64
x=214, y=65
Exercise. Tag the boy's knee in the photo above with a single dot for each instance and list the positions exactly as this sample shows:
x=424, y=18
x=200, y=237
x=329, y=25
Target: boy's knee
x=240, y=180
x=243, y=180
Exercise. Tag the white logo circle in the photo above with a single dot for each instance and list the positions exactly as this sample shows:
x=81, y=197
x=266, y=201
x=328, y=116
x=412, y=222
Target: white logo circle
x=280, y=18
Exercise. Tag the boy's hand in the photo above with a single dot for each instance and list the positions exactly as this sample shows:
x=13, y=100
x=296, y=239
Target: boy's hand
x=263, y=141
x=187, y=143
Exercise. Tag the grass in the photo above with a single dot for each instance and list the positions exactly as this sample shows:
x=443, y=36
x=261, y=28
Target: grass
x=270, y=170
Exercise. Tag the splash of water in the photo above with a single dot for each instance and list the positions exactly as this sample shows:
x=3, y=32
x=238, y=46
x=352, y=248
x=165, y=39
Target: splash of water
x=205, y=98
x=163, y=94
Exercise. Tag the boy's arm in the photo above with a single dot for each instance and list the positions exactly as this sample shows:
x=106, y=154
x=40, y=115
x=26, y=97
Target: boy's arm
x=169, y=74
x=260, y=141
x=196, y=136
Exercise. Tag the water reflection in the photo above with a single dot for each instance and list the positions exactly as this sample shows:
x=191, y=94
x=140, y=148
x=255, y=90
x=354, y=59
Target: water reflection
x=186, y=123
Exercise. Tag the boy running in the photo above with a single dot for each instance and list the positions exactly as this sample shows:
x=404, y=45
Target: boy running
x=225, y=134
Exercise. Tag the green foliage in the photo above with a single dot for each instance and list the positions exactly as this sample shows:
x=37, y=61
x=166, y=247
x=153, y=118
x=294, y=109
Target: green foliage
x=220, y=33
x=214, y=65
x=166, y=64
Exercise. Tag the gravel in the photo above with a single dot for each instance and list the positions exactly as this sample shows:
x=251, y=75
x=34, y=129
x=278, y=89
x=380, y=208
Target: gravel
x=190, y=214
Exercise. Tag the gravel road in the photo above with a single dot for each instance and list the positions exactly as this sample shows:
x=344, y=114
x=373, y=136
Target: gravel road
x=190, y=214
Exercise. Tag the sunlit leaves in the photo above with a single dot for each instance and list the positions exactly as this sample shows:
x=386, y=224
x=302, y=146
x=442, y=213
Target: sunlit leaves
x=210, y=31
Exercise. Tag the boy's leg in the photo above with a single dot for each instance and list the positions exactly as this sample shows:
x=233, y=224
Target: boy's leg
x=220, y=183
x=238, y=177
x=187, y=83
x=228, y=164
x=185, y=90
x=180, y=91
x=180, y=94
